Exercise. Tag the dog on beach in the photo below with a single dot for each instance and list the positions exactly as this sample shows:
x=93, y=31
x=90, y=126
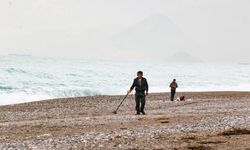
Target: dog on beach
x=181, y=98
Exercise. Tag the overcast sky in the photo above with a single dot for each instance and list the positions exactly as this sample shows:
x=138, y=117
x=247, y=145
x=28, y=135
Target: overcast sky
x=219, y=29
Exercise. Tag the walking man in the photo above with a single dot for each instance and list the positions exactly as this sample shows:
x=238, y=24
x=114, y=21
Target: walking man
x=173, y=87
x=141, y=87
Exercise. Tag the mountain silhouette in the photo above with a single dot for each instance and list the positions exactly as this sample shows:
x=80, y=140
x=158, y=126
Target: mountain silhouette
x=155, y=36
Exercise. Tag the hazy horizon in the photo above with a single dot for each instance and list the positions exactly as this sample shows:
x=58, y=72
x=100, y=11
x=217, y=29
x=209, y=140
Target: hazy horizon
x=208, y=30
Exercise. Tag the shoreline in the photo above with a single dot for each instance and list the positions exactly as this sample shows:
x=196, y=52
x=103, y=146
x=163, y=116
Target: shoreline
x=115, y=95
x=210, y=120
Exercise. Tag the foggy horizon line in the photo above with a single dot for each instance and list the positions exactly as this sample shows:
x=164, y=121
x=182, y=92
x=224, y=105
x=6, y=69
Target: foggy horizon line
x=20, y=55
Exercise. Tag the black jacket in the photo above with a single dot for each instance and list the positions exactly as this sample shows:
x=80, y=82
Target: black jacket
x=140, y=90
x=173, y=86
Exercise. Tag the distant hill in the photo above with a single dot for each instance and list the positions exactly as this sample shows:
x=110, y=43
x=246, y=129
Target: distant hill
x=154, y=37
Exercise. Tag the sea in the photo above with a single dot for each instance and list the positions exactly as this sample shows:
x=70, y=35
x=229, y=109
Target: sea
x=28, y=78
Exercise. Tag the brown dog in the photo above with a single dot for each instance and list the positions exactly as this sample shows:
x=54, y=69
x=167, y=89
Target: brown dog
x=182, y=98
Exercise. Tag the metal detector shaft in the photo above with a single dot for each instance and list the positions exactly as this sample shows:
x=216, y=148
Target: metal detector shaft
x=121, y=102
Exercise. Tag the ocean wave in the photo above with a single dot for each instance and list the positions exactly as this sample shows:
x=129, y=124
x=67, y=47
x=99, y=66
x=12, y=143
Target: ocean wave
x=15, y=70
x=6, y=88
x=43, y=75
x=55, y=93
x=31, y=73
x=33, y=95
x=73, y=75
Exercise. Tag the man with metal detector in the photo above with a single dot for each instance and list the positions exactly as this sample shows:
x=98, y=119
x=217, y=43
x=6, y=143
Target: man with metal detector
x=141, y=87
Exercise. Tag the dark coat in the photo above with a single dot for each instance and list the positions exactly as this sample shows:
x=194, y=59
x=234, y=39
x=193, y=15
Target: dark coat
x=173, y=86
x=140, y=89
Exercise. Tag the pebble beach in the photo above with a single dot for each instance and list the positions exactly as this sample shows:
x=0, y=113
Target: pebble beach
x=205, y=121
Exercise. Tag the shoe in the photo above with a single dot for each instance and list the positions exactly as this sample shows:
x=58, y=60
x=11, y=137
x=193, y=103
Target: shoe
x=143, y=113
x=137, y=113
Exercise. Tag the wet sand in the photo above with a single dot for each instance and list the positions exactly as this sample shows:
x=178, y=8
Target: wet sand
x=209, y=120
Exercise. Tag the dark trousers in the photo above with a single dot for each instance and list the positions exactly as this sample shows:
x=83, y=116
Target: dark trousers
x=140, y=103
x=172, y=94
